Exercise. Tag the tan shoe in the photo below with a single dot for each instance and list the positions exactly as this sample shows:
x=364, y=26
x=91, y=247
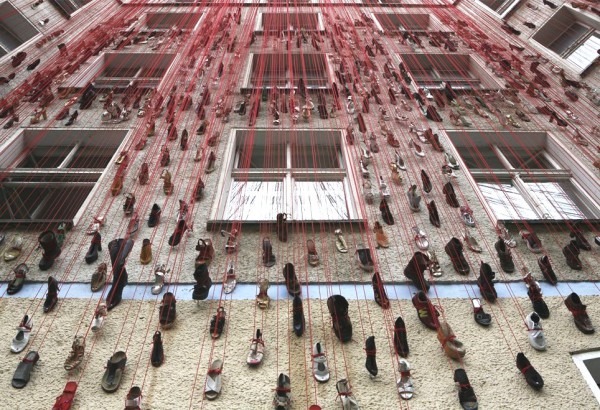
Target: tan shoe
x=146, y=254
x=262, y=299
x=452, y=347
x=380, y=236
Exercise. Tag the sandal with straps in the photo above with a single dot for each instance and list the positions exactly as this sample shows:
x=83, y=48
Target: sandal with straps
x=217, y=323
x=257, y=347
x=312, y=255
x=404, y=383
x=348, y=400
x=482, y=318
x=320, y=369
x=230, y=279
x=213, y=386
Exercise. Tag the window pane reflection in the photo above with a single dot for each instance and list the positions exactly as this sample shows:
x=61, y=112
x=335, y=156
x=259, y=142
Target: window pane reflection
x=254, y=200
x=321, y=200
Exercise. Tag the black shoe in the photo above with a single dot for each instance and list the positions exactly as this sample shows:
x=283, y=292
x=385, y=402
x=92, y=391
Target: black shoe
x=154, y=218
x=535, y=295
x=33, y=65
x=386, y=214
x=281, y=227
x=506, y=261
x=370, y=349
x=291, y=280
x=178, y=233
x=52, y=295
x=549, y=4
x=427, y=187
x=454, y=249
x=379, y=291
x=451, y=199
x=434, y=217
x=533, y=378
x=466, y=395
x=298, y=316
x=203, y=283
x=415, y=269
x=157, y=357
x=486, y=284
x=482, y=318
x=72, y=118
x=92, y=254
x=547, y=271
x=217, y=324
x=400, y=339
x=571, y=252
x=580, y=240
x=167, y=312
x=338, y=309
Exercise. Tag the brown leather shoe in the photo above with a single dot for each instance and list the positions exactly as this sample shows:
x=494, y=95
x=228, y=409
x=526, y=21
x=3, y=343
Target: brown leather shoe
x=578, y=309
x=428, y=314
x=452, y=347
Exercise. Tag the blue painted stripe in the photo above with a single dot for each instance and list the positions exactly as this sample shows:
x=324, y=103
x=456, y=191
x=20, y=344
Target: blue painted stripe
x=359, y=291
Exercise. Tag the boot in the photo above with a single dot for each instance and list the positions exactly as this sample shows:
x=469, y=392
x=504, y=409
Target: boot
x=92, y=254
x=535, y=295
x=427, y=187
x=371, y=350
x=434, y=217
x=268, y=257
x=203, y=283
x=580, y=316
x=414, y=200
x=76, y=356
x=506, y=261
x=547, y=271
x=217, y=323
x=379, y=291
x=51, y=249
x=386, y=214
x=415, y=270
x=486, y=284
x=451, y=199
x=115, y=294
x=180, y=229
x=129, y=204
x=454, y=249
x=338, y=309
x=466, y=395
x=579, y=239
x=119, y=250
x=291, y=281
x=157, y=357
x=298, y=316
x=428, y=314
x=571, y=252
x=400, y=339
x=453, y=348
x=154, y=218
x=146, y=253
x=281, y=227
x=167, y=311
x=533, y=378
x=52, y=295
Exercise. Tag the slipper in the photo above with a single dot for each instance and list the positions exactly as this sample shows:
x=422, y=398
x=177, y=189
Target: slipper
x=20, y=341
x=484, y=319
x=15, y=285
x=230, y=279
x=114, y=372
x=65, y=400
x=313, y=256
x=404, y=383
x=213, y=385
x=14, y=250
x=340, y=242
x=23, y=372
x=348, y=400
x=257, y=348
x=320, y=370
x=420, y=238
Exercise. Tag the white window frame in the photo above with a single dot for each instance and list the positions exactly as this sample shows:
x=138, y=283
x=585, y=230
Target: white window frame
x=18, y=27
x=259, y=27
x=182, y=17
x=586, y=185
x=505, y=9
x=579, y=360
x=345, y=174
x=16, y=148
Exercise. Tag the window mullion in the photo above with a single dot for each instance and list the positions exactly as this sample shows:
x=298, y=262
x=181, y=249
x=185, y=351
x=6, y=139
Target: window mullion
x=529, y=197
x=287, y=184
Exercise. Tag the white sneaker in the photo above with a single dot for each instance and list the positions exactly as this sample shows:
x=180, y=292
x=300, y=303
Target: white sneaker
x=536, y=334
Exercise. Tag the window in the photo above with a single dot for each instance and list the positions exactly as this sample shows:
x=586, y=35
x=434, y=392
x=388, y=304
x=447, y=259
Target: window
x=282, y=22
x=461, y=70
x=303, y=173
x=588, y=364
x=501, y=7
x=574, y=36
x=394, y=23
x=528, y=176
x=68, y=7
x=285, y=71
x=15, y=29
x=164, y=21
x=48, y=175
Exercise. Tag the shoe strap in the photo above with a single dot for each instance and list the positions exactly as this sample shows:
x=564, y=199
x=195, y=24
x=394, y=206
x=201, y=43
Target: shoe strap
x=524, y=369
x=450, y=338
x=370, y=353
x=214, y=371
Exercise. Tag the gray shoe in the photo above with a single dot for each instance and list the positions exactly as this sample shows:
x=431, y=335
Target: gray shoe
x=20, y=341
x=414, y=200
x=536, y=334
x=320, y=369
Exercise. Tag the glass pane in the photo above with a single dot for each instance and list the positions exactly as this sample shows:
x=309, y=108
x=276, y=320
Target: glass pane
x=263, y=155
x=526, y=158
x=316, y=156
x=322, y=200
x=568, y=38
x=506, y=202
x=254, y=200
x=556, y=200
x=480, y=157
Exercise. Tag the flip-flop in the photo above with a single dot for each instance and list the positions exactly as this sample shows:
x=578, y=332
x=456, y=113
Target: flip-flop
x=230, y=279
x=15, y=285
x=114, y=372
x=14, y=250
x=213, y=385
x=65, y=400
x=23, y=372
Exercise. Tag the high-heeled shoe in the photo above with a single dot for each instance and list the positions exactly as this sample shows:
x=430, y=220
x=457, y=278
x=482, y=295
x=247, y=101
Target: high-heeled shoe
x=180, y=229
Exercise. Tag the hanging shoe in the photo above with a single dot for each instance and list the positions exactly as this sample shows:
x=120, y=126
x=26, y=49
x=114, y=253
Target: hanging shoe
x=21, y=340
x=379, y=291
x=49, y=243
x=486, y=284
x=428, y=314
x=13, y=251
x=467, y=216
x=257, y=348
x=384, y=189
x=535, y=295
x=368, y=192
x=167, y=311
x=380, y=236
x=217, y=323
x=146, y=253
x=230, y=279
x=319, y=360
x=533, y=378
x=434, y=265
x=571, y=252
x=454, y=249
x=52, y=295
x=213, y=386
x=452, y=347
x=466, y=395
x=96, y=245
x=579, y=239
x=536, y=335
x=434, y=216
x=22, y=374
x=180, y=229
x=154, y=217
x=99, y=278
x=133, y=400
x=77, y=352
x=281, y=227
x=157, y=356
x=405, y=383
x=427, y=186
x=262, y=299
x=268, y=257
x=16, y=284
x=348, y=400
x=283, y=393
x=451, y=161
x=363, y=258
x=400, y=339
x=99, y=315
x=338, y=309
x=340, y=242
x=206, y=252
x=505, y=235
x=159, y=279
x=416, y=148
x=291, y=280
x=472, y=243
x=414, y=200
x=482, y=318
x=114, y=372
x=505, y=256
x=547, y=271
x=579, y=311
x=203, y=283
x=531, y=239
x=65, y=400
x=415, y=270
x=129, y=204
x=420, y=238
x=371, y=351
x=451, y=199
x=298, y=321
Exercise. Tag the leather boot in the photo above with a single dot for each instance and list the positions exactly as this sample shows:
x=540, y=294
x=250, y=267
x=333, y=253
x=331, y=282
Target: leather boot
x=180, y=229
x=167, y=312
x=291, y=281
x=415, y=270
x=338, y=309
x=281, y=227
x=506, y=261
x=454, y=249
x=580, y=316
x=96, y=245
x=49, y=244
x=154, y=218
x=386, y=214
x=485, y=282
x=400, y=339
x=157, y=357
x=379, y=291
x=298, y=316
x=535, y=295
x=203, y=283
x=427, y=187
x=371, y=350
x=571, y=252
x=546, y=268
x=428, y=314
